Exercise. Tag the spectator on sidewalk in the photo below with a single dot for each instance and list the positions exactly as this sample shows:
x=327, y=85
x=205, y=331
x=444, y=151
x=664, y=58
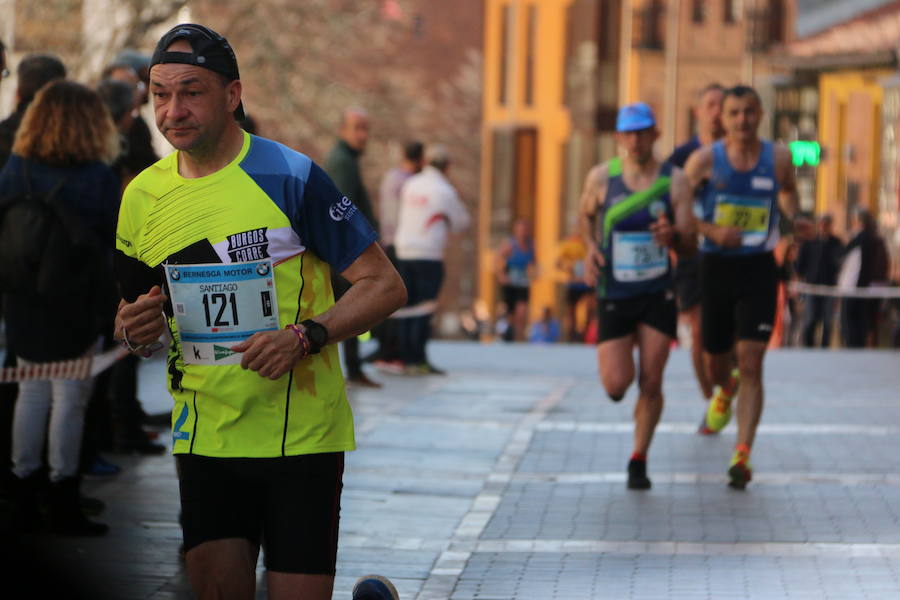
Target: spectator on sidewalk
x=818, y=262
x=33, y=72
x=342, y=165
x=865, y=264
x=118, y=387
x=579, y=295
x=132, y=67
x=430, y=210
x=66, y=139
x=547, y=330
x=387, y=356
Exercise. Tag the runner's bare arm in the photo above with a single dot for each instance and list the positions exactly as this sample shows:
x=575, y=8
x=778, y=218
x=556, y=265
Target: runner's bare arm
x=788, y=198
x=589, y=208
x=591, y=200
x=697, y=169
x=681, y=235
x=500, y=258
x=376, y=291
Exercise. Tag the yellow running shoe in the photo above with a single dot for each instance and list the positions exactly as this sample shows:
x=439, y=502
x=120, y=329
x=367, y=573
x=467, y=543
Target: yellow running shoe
x=718, y=413
x=740, y=471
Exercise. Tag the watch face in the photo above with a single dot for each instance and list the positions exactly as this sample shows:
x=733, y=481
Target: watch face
x=316, y=333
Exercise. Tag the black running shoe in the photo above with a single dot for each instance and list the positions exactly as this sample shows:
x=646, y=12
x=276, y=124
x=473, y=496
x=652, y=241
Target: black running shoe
x=637, y=475
x=374, y=587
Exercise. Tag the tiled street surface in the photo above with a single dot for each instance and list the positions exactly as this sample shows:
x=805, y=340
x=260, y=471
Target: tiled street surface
x=505, y=479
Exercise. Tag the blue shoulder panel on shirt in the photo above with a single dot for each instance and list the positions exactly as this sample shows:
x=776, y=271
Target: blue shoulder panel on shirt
x=321, y=215
x=280, y=172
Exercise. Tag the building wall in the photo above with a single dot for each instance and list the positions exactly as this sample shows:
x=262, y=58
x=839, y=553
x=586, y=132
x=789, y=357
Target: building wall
x=521, y=126
x=850, y=133
x=857, y=117
x=694, y=54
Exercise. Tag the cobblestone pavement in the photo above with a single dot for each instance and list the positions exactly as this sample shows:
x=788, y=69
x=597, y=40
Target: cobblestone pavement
x=505, y=479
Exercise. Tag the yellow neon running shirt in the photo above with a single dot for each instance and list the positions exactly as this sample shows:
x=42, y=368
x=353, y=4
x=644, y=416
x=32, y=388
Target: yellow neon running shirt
x=272, y=203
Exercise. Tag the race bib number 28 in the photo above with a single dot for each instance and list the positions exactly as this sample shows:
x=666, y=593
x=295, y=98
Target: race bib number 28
x=218, y=305
x=636, y=257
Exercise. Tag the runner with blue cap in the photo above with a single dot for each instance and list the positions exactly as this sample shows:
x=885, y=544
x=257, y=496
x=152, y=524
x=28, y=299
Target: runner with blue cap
x=634, y=117
x=627, y=211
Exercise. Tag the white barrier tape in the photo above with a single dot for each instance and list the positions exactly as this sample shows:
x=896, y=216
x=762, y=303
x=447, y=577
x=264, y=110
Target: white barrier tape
x=418, y=310
x=79, y=368
x=836, y=292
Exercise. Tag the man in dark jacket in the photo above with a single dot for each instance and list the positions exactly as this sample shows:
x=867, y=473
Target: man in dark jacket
x=818, y=262
x=342, y=165
x=866, y=263
x=33, y=73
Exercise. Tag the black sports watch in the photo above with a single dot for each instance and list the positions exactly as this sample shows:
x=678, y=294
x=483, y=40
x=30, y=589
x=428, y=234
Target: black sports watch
x=316, y=334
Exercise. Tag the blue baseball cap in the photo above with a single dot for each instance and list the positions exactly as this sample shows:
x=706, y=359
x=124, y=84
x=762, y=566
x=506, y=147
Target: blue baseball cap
x=634, y=117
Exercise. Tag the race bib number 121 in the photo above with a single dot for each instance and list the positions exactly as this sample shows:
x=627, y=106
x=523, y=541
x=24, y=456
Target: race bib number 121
x=218, y=305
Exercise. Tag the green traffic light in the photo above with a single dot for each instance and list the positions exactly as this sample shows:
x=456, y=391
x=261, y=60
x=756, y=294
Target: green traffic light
x=805, y=152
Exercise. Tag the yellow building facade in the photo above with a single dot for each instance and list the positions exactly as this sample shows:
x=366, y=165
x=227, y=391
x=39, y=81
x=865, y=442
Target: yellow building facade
x=526, y=126
x=850, y=122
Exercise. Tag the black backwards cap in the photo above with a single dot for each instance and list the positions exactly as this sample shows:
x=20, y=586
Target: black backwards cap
x=210, y=51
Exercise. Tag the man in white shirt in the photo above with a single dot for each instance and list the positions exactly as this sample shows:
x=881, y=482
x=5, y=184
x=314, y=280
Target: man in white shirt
x=390, y=189
x=430, y=210
x=386, y=357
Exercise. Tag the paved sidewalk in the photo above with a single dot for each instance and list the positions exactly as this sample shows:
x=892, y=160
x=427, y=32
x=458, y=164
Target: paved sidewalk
x=505, y=479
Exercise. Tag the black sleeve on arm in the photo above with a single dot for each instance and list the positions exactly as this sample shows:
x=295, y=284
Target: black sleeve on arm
x=134, y=277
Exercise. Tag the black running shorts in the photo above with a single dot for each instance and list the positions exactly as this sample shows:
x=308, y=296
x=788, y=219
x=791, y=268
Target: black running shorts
x=512, y=295
x=288, y=504
x=738, y=298
x=687, y=282
x=621, y=317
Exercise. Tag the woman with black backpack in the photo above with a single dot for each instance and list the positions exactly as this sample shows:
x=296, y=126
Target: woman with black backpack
x=58, y=205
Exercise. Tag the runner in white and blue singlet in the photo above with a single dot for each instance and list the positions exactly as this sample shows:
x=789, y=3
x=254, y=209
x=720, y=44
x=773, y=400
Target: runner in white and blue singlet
x=627, y=209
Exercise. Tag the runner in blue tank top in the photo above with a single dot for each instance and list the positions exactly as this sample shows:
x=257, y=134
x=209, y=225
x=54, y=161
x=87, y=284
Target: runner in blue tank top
x=750, y=185
x=627, y=209
x=515, y=270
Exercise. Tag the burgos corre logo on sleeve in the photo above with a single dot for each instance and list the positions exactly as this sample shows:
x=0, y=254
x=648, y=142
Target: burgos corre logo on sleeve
x=343, y=210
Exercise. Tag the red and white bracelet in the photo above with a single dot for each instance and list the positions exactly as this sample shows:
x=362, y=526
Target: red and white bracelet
x=301, y=337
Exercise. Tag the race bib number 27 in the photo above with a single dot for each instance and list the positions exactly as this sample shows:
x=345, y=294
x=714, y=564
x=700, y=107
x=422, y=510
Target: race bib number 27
x=218, y=305
x=750, y=214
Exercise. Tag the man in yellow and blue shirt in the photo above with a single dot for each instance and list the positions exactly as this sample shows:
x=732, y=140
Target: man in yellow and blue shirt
x=228, y=243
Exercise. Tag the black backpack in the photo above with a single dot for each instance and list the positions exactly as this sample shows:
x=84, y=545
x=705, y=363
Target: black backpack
x=46, y=250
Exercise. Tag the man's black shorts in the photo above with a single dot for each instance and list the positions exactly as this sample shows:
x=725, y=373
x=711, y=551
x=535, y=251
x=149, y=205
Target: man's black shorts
x=423, y=279
x=738, y=297
x=621, y=317
x=290, y=505
x=687, y=282
x=512, y=295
